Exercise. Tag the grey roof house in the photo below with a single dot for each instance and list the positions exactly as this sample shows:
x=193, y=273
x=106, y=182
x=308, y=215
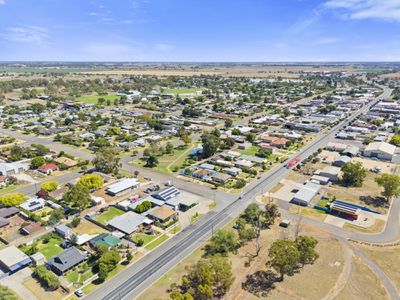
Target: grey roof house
x=66, y=260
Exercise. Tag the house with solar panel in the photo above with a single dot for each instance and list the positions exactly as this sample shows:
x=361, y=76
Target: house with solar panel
x=344, y=210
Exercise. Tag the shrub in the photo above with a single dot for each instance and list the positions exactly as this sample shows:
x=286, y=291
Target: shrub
x=13, y=199
x=49, y=186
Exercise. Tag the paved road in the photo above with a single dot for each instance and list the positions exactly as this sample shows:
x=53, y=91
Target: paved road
x=129, y=283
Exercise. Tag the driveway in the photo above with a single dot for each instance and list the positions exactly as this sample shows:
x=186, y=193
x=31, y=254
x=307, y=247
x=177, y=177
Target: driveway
x=15, y=282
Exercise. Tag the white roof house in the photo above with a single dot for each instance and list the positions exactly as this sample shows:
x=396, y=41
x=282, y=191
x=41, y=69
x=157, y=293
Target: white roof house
x=122, y=186
x=33, y=204
x=129, y=222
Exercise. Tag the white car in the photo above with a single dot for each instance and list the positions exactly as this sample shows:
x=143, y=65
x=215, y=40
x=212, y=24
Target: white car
x=79, y=293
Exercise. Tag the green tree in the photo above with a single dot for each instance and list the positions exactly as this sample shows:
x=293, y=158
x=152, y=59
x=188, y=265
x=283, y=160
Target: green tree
x=284, y=257
x=91, y=181
x=46, y=277
x=210, y=144
x=228, y=123
x=390, y=184
x=207, y=279
x=37, y=162
x=169, y=148
x=353, y=174
x=151, y=161
x=107, y=160
x=108, y=261
x=186, y=139
x=395, y=140
x=306, y=246
x=56, y=216
x=235, y=131
x=222, y=242
x=250, y=137
x=77, y=197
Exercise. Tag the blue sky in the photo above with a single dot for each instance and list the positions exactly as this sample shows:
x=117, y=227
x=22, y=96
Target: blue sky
x=200, y=30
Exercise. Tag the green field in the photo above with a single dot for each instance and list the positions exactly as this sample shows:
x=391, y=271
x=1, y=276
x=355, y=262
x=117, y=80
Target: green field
x=108, y=215
x=180, y=91
x=93, y=99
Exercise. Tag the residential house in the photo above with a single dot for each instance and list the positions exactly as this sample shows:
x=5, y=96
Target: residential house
x=66, y=260
x=48, y=168
x=129, y=222
x=161, y=214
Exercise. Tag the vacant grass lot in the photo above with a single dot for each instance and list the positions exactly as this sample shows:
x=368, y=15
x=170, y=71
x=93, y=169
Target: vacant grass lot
x=93, y=99
x=388, y=259
x=169, y=162
x=181, y=91
x=89, y=228
x=362, y=284
x=249, y=151
x=108, y=215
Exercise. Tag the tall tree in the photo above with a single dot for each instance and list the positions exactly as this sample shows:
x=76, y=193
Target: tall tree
x=390, y=184
x=306, y=246
x=284, y=257
x=77, y=197
x=210, y=144
x=353, y=174
x=107, y=160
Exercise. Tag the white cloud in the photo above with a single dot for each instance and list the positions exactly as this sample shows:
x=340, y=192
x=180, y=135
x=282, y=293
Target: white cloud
x=2, y=2
x=305, y=22
x=387, y=10
x=327, y=40
x=163, y=47
x=26, y=34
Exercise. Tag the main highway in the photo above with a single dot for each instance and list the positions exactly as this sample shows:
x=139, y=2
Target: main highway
x=132, y=281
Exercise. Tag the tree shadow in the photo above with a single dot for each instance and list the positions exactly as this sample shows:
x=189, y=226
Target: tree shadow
x=260, y=283
x=375, y=201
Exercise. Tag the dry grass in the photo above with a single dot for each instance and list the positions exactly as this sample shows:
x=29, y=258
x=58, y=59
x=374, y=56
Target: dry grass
x=353, y=194
x=376, y=228
x=388, y=259
x=89, y=228
x=32, y=285
x=276, y=188
x=308, y=212
x=362, y=284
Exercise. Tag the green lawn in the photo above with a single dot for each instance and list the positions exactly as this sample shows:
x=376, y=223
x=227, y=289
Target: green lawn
x=180, y=91
x=168, y=162
x=250, y=151
x=147, y=238
x=157, y=242
x=108, y=215
x=50, y=249
x=93, y=99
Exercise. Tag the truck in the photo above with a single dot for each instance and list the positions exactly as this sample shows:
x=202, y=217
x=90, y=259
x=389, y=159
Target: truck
x=292, y=163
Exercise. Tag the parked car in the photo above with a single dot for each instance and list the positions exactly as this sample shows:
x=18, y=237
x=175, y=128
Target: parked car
x=79, y=293
x=284, y=223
